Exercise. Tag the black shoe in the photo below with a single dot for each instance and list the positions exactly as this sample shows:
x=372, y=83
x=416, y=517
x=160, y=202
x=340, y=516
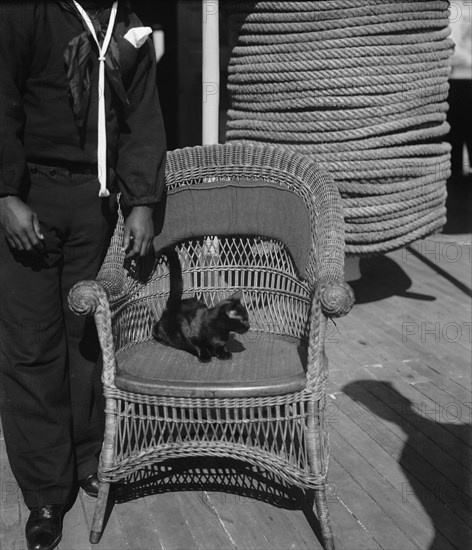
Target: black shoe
x=90, y=485
x=44, y=527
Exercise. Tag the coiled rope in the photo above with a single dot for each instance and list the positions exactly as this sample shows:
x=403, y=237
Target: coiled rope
x=361, y=87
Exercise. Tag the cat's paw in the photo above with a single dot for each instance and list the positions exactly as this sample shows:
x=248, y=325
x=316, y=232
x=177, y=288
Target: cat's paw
x=204, y=356
x=223, y=354
x=156, y=333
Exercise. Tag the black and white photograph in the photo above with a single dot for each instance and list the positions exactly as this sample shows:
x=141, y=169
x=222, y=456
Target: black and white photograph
x=235, y=275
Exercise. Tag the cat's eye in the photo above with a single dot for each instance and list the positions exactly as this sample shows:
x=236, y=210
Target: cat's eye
x=233, y=314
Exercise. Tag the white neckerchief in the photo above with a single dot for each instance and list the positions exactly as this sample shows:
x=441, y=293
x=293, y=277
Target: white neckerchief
x=102, y=131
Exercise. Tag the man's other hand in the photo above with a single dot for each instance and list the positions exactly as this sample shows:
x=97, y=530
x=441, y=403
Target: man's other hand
x=20, y=225
x=139, y=232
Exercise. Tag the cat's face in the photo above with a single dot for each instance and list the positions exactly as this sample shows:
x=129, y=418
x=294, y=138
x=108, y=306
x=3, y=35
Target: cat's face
x=236, y=315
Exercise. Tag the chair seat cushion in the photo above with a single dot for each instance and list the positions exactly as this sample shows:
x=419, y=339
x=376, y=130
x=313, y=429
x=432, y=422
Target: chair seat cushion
x=262, y=364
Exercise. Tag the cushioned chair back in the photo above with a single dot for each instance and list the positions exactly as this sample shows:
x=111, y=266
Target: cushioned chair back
x=236, y=208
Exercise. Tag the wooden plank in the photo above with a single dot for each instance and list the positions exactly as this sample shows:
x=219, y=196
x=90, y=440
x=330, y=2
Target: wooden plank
x=447, y=508
x=382, y=477
x=419, y=414
x=396, y=372
x=444, y=324
x=277, y=528
x=291, y=527
x=303, y=527
x=394, y=337
x=448, y=310
x=387, y=402
x=463, y=382
x=373, y=453
x=381, y=492
x=285, y=534
x=448, y=385
x=348, y=530
x=204, y=523
x=366, y=510
x=137, y=525
x=356, y=325
x=427, y=282
x=370, y=335
x=447, y=367
x=455, y=252
x=74, y=530
x=288, y=527
x=428, y=310
x=11, y=525
x=454, y=414
x=422, y=481
x=268, y=519
x=24, y=513
x=452, y=256
x=234, y=511
x=445, y=408
x=171, y=521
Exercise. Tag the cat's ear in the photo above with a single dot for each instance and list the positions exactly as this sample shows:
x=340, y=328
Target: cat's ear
x=228, y=304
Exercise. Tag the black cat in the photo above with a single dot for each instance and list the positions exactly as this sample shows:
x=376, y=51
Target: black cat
x=192, y=326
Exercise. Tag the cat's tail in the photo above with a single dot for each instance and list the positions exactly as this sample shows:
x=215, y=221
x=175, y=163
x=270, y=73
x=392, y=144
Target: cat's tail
x=175, y=280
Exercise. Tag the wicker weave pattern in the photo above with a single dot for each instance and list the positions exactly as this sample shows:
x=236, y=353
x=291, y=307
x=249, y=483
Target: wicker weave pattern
x=360, y=87
x=270, y=431
x=286, y=433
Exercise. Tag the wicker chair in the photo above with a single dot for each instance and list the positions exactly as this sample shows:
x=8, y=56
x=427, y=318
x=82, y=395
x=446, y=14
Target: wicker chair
x=279, y=229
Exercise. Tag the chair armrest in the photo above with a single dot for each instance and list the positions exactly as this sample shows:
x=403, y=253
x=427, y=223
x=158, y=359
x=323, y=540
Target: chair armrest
x=89, y=298
x=331, y=299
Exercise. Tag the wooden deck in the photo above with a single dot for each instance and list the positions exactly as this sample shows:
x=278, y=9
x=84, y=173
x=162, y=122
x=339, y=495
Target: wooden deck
x=399, y=414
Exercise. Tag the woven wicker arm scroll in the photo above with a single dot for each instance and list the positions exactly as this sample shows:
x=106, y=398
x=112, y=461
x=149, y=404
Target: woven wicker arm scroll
x=336, y=298
x=89, y=298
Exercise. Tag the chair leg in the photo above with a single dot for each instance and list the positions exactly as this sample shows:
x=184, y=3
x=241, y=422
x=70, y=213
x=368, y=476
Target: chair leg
x=99, y=515
x=322, y=513
x=314, y=448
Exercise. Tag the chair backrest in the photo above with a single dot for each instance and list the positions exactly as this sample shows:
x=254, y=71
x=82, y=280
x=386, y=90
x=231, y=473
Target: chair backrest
x=243, y=208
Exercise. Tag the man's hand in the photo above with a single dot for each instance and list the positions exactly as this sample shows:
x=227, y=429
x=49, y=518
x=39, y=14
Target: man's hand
x=20, y=225
x=139, y=232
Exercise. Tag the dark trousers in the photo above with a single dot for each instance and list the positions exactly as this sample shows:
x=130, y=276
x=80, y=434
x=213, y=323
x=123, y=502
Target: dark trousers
x=48, y=392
